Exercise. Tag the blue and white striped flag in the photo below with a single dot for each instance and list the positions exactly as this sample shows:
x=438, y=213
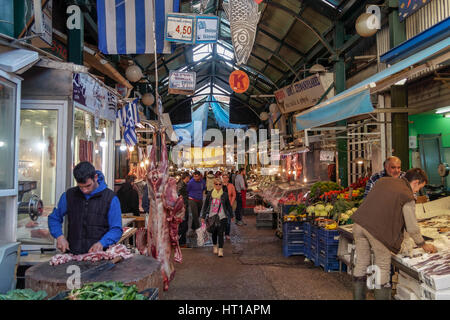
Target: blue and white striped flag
x=126, y=26
x=128, y=117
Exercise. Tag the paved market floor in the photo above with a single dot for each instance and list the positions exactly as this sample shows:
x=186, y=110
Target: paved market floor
x=253, y=267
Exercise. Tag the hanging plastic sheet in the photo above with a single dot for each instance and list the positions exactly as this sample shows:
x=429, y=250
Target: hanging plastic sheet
x=222, y=116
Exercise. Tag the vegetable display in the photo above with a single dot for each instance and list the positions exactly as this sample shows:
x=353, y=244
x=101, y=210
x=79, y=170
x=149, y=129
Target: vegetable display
x=24, y=294
x=321, y=187
x=108, y=290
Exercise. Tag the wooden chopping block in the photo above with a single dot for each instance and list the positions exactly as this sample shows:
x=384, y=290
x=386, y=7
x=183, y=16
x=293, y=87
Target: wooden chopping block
x=143, y=271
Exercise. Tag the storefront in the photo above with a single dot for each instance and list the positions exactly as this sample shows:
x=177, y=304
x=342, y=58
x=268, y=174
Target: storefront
x=10, y=99
x=67, y=116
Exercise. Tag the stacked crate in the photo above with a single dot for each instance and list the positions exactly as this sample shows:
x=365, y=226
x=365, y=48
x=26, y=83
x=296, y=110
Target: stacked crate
x=328, y=248
x=307, y=229
x=314, y=245
x=293, y=239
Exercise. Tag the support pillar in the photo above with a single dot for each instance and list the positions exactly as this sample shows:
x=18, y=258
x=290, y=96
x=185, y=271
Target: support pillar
x=339, y=82
x=75, y=34
x=399, y=96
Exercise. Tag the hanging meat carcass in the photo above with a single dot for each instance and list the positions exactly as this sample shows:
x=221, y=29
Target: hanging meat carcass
x=166, y=213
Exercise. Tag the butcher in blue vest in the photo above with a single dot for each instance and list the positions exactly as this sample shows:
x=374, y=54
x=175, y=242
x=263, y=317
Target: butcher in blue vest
x=93, y=213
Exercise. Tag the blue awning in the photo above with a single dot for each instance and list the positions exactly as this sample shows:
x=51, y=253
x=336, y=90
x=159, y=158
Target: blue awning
x=439, y=31
x=379, y=79
x=348, y=107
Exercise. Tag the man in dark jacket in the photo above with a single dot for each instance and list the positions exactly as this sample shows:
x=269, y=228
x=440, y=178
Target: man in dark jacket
x=93, y=212
x=128, y=196
x=182, y=191
x=379, y=224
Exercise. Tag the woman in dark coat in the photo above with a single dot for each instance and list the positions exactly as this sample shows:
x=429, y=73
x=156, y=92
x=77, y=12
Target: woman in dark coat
x=218, y=203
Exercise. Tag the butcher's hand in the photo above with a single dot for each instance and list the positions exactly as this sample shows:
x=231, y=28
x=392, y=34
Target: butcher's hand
x=96, y=247
x=62, y=244
x=429, y=248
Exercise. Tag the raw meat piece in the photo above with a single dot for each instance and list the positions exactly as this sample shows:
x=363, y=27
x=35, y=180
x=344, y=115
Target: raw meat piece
x=111, y=253
x=40, y=233
x=166, y=212
x=141, y=240
x=31, y=224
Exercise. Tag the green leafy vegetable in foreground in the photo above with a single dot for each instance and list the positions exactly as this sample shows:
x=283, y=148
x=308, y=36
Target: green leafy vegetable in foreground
x=23, y=294
x=109, y=290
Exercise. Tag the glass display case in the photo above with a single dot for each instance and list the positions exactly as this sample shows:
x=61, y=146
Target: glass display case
x=37, y=174
x=93, y=141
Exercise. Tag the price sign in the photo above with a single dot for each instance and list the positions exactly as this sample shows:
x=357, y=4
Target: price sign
x=207, y=29
x=180, y=28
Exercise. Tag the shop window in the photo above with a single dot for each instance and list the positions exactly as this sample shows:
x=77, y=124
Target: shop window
x=91, y=140
x=7, y=134
x=37, y=174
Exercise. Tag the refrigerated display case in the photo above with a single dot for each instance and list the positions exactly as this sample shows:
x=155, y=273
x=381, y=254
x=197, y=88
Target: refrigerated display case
x=9, y=121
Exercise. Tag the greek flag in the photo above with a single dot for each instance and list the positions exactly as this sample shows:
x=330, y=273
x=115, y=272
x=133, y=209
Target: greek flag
x=128, y=118
x=126, y=26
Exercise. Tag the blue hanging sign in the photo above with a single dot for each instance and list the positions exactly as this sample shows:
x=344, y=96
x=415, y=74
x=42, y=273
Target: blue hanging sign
x=207, y=29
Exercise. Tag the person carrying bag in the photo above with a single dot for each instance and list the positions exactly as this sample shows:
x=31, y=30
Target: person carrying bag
x=216, y=210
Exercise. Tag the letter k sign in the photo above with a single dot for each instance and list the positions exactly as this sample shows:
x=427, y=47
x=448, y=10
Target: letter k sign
x=239, y=81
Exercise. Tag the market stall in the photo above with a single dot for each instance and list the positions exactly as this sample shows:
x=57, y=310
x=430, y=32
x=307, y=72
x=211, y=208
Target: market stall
x=67, y=116
x=419, y=275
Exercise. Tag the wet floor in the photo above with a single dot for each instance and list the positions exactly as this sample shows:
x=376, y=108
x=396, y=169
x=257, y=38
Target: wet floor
x=253, y=267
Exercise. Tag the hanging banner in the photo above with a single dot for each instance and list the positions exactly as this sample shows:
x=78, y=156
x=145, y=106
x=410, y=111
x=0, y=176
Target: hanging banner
x=239, y=81
x=91, y=96
x=180, y=28
x=408, y=7
x=207, y=29
x=304, y=93
x=182, y=82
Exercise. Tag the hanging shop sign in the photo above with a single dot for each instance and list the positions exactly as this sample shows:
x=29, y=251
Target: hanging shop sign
x=408, y=7
x=207, y=29
x=326, y=155
x=90, y=95
x=304, y=93
x=180, y=28
x=182, y=82
x=239, y=81
x=243, y=16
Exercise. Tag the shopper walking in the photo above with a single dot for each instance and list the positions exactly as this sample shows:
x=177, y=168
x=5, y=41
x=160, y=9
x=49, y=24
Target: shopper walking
x=217, y=203
x=210, y=181
x=231, y=190
x=392, y=168
x=195, y=188
x=379, y=224
x=182, y=191
x=240, y=187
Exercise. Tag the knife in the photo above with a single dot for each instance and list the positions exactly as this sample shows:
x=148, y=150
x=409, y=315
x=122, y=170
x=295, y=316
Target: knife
x=94, y=272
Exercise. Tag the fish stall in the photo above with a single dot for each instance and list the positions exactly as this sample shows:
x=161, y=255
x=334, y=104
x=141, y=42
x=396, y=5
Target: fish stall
x=419, y=275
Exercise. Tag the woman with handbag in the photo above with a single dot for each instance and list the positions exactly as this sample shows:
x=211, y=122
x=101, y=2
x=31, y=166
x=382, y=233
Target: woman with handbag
x=229, y=187
x=217, y=209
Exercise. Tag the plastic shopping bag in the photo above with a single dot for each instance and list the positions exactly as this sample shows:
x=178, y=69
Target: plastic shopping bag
x=202, y=235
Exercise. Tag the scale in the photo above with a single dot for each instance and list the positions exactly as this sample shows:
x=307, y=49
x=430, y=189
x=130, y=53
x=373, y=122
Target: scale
x=29, y=203
x=443, y=170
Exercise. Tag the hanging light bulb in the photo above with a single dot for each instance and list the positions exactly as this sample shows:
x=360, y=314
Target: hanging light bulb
x=133, y=73
x=142, y=164
x=131, y=149
x=148, y=99
x=146, y=162
x=123, y=146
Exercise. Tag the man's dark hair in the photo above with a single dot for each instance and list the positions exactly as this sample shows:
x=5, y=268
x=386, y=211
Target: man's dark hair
x=184, y=175
x=130, y=178
x=210, y=172
x=416, y=174
x=241, y=170
x=83, y=171
x=197, y=173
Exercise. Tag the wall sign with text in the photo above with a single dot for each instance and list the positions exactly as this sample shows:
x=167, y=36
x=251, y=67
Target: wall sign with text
x=186, y=28
x=180, y=28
